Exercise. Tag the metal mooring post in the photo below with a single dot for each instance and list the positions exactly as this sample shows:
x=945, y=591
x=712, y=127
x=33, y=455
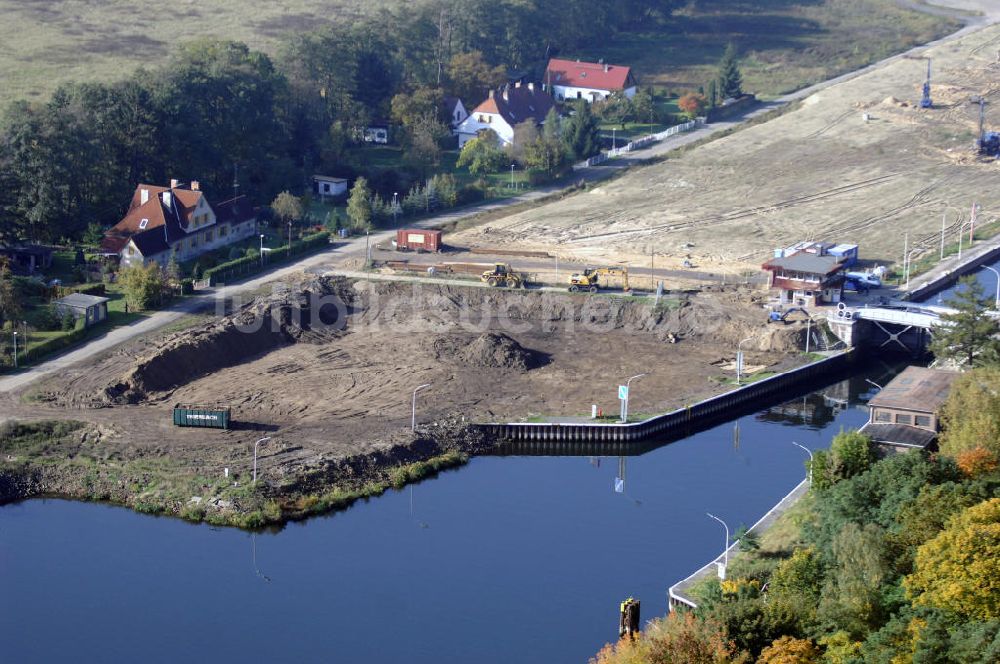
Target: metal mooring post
x=628, y=620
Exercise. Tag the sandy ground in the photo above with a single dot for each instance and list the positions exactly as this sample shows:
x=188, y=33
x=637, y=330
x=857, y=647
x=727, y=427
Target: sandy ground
x=820, y=172
x=348, y=393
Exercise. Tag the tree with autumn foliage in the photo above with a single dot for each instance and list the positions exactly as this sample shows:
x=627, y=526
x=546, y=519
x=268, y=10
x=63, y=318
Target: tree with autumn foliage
x=680, y=637
x=959, y=570
x=971, y=415
x=789, y=650
x=692, y=104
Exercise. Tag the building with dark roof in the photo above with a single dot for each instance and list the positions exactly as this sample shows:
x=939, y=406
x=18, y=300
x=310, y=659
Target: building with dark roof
x=906, y=412
x=504, y=110
x=91, y=308
x=806, y=277
x=591, y=81
x=176, y=221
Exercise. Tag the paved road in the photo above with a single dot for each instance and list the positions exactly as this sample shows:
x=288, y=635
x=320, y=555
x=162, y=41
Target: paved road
x=356, y=247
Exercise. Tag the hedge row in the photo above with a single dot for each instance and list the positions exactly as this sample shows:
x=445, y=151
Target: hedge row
x=57, y=343
x=251, y=265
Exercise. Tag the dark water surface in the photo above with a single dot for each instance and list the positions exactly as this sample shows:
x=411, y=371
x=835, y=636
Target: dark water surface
x=510, y=559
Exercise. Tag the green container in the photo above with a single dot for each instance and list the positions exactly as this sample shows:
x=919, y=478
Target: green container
x=210, y=417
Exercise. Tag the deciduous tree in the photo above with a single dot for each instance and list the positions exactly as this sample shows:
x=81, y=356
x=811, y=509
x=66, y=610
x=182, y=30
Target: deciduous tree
x=692, y=104
x=971, y=415
x=482, y=155
x=959, y=570
x=789, y=650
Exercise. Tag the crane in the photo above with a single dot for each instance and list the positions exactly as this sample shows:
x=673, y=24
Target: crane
x=925, y=101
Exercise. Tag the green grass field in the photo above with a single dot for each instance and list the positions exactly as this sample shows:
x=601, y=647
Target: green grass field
x=789, y=43
x=785, y=44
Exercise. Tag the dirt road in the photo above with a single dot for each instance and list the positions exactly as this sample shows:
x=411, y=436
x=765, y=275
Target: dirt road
x=821, y=171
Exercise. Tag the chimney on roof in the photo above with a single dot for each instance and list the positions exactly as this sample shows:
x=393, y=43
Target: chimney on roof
x=143, y=196
x=174, y=183
x=492, y=93
x=531, y=87
x=518, y=84
x=195, y=185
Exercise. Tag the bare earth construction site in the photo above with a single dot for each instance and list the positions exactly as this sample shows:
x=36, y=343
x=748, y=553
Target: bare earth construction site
x=818, y=172
x=326, y=366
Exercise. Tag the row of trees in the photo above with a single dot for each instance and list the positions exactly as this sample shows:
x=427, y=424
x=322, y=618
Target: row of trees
x=219, y=111
x=893, y=564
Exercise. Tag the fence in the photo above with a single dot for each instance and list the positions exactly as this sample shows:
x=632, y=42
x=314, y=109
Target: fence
x=639, y=143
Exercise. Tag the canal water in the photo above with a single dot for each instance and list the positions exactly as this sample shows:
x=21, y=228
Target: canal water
x=982, y=275
x=510, y=559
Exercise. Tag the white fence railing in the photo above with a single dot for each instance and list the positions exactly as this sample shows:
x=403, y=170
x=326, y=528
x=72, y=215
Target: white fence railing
x=639, y=143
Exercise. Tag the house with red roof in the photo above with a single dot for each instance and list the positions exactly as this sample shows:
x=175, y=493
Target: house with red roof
x=503, y=110
x=176, y=221
x=592, y=81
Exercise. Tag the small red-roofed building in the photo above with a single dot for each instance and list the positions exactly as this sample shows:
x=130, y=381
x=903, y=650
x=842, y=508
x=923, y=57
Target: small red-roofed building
x=590, y=81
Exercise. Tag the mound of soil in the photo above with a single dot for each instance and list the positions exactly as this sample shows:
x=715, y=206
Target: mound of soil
x=490, y=350
x=307, y=312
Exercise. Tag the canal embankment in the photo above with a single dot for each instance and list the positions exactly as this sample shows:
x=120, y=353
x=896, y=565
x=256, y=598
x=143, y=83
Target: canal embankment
x=947, y=272
x=679, y=422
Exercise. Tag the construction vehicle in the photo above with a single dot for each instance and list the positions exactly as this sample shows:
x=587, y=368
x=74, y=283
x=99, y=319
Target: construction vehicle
x=502, y=275
x=782, y=316
x=589, y=279
x=925, y=101
x=988, y=142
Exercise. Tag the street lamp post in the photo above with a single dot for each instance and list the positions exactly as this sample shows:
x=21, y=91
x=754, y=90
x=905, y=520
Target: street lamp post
x=725, y=550
x=809, y=452
x=15, y=350
x=628, y=393
x=512, y=176
x=906, y=264
x=368, y=253
x=413, y=411
x=614, y=143
x=262, y=250
x=262, y=440
x=739, y=359
x=289, y=237
x=996, y=303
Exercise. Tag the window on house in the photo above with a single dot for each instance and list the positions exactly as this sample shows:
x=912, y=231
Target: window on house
x=224, y=230
x=922, y=420
x=208, y=236
x=131, y=250
x=903, y=419
x=882, y=416
x=481, y=118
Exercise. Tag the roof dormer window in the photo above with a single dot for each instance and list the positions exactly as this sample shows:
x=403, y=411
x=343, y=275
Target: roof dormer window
x=143, y=224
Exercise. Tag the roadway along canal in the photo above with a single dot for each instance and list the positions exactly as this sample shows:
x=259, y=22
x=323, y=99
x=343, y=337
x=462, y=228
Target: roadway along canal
x=510, y=559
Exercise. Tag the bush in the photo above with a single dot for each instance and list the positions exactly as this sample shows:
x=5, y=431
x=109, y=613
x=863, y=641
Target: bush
x=48, y=318
x=187, y=286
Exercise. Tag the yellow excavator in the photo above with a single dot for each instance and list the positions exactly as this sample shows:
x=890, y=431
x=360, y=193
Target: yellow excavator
x=589, y=279
x=503, y=275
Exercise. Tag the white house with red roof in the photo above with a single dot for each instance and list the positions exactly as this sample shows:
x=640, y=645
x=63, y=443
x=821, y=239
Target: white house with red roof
x=592, y=81
x=504, y=110
x=176, y=221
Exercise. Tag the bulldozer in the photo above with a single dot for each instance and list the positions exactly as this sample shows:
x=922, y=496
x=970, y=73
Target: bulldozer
x=589, y=279
x=503, y=275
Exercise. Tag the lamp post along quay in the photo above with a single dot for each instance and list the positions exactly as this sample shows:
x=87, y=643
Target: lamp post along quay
x=739, y=359
x=628, y=391
x=413, y=410
x=255, y=445
x=996, y=302
x=725, y=548
x=809, y=452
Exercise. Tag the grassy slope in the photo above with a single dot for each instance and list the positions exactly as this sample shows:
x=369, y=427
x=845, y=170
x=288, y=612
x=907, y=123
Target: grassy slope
x=788, y=44
x=791, y=42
